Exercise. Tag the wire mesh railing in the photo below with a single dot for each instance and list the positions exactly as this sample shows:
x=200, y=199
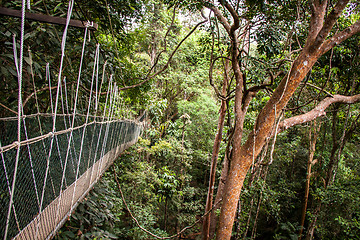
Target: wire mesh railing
x=71, y=173
x=50, y=160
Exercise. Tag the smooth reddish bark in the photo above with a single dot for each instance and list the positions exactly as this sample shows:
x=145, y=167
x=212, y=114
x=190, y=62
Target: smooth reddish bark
x=318, y=111
x=243, y=155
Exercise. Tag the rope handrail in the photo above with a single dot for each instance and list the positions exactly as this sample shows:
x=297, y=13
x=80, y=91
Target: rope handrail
x=56, y=157
x=61, y=115
x=51, y=134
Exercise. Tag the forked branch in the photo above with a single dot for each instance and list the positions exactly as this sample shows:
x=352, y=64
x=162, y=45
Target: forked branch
x=331, y=20
x=318, y=111
x=340, y=37
x=168, y=62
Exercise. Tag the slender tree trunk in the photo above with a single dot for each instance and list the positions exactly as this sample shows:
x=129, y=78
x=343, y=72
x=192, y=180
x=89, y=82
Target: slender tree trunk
x=232, y=191
x=334, y=149
x=153, y=49
x=255, y=175
x=219, y=195
x=313, y=134
x=165, y=214
x=253, y=232
x=154, y=34
x=311, y=229
x=336, y=153
x=249, y=218
x=214, y=157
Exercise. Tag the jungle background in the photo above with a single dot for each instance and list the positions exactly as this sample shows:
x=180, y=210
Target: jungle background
x=165, y=176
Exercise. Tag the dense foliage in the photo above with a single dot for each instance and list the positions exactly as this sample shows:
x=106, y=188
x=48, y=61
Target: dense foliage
x=164, y=177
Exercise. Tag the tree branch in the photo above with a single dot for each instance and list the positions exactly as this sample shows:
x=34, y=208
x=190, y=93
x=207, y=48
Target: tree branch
x=43, y=89
x=211, y=78
x=316, y=21
x=7, y=108
x=318, y=88
x=168, y=62
x=340, y=37
x=219, y=15
x=168, y=31
x=234, y=15
x=330, y=21
x=164, y=44
x=318, y=111
x=262, y=86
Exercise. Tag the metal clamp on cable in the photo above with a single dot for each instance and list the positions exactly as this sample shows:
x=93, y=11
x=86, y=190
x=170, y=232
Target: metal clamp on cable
x=16, y=144
x=89, y=24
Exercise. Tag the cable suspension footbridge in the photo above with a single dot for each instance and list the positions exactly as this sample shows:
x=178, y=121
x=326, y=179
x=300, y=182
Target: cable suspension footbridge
x=51, y=160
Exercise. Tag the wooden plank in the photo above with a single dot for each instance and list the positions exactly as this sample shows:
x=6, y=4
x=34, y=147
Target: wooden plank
x=47, y=19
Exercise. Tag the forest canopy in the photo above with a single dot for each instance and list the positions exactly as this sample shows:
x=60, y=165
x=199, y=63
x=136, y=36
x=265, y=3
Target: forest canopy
x=252, y=128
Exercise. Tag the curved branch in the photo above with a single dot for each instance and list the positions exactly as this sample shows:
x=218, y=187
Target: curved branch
x=318, y=88
x=352, y=127
x=7, y=108
x=219, y=16
x=340, y=37
x=164, y=44
x=41, y=90
x=168, y=62
x=265, y=85
x=234, y=15
x=301, y=106
x=330, y=21
x=211, y=78
x=168, y=31
x=318, y=111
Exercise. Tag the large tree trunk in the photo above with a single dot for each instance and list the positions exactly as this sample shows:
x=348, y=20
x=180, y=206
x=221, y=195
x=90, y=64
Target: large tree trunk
x=315, y=46
x=243, y=155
